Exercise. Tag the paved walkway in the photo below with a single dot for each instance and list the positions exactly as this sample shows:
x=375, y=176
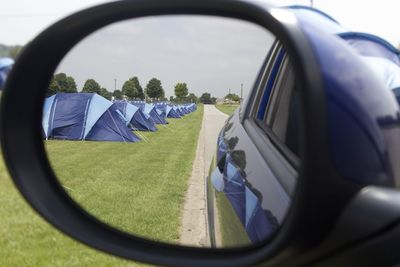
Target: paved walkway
x=194, y=228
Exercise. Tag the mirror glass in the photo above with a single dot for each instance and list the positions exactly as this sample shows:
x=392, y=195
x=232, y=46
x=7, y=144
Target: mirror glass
x=142, y=127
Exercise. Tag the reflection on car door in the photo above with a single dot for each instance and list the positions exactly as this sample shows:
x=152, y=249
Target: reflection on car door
x=256, y=164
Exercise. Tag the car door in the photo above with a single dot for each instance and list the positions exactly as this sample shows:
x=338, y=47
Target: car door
x=254, y=174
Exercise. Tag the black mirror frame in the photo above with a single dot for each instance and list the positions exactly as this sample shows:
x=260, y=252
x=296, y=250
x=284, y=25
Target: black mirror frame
x=25, y=156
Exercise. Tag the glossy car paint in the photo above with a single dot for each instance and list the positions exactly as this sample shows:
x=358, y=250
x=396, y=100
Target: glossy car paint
x=364, y=130
x=364, y=124
x=247, y=197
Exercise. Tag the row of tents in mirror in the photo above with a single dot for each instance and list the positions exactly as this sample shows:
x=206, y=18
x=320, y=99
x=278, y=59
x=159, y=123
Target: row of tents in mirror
x=89, y=116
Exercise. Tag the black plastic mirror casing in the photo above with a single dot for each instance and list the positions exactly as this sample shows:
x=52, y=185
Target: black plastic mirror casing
x=313, y=212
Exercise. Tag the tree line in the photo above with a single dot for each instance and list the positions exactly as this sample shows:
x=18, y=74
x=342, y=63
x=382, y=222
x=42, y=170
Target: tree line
x=10, y=51
x=131, y=90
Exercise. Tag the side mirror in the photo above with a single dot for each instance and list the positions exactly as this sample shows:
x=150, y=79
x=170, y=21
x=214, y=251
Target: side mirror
x=315, y=198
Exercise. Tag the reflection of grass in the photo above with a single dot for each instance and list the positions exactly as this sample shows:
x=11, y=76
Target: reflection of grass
x=136, y=187
x=227, y=109
x=232, y=231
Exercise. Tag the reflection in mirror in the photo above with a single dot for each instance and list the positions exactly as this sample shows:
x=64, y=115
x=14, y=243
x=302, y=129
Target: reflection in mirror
x=133, y=117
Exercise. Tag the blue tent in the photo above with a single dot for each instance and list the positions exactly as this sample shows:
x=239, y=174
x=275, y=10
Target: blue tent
x=161, y=109
x=5, y=67
x=171, y=113
x=84, y=116
x=388, y=71
x=135, y=118
x=258, y=223
x=161, y=113
x=139, y=104
x=178, y=110
x=378, y=54
x=185, y=109
x=182, y=109
x=192, y=107
x=151, y=112
x=372, y=46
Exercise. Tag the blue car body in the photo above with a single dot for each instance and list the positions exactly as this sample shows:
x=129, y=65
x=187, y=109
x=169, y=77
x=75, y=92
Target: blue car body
x=250, y=188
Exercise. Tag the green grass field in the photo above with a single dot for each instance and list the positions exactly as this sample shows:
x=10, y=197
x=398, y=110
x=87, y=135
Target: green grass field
x=138, y=188
x=227, y=109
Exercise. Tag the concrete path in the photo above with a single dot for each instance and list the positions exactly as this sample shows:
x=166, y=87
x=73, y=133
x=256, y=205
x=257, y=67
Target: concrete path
x=194, y=227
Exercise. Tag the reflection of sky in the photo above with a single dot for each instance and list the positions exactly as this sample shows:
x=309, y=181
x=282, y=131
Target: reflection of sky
x=209, y=54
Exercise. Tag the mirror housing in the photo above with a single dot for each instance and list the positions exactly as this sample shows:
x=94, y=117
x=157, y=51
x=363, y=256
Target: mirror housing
x=313, y=212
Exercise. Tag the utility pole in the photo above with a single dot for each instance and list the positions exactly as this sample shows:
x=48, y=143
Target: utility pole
x=312, y=3
x=115, y=84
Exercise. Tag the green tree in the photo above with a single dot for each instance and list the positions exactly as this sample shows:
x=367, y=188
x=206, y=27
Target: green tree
x=154, y=89
x=132, y=89
x=71, y=85
x=181, y=90
x=233, y=97
x=91, y=86
x=139, y=90
x=105, y=93
x=205, y=98
x=61, y=83
x=128, y=89
x=53, y=88
x=171, y=98
x=15, y=51
x=117, y=94
x=192, y=98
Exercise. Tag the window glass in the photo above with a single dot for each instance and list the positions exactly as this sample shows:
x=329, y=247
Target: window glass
x=269, y=85
x=282, y=112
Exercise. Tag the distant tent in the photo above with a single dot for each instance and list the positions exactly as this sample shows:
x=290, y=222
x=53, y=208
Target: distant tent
x=386, y=70
x=84, y=116
x=372, y=46
x=182, y=109
x=139, y=104
x=171, y=113
x=151, y=111
x=382, y=57
x=161, y=109
x=135, y=118
x=192, y=107
x=178, y=110
x=5, y=67
x=161, y=113
x=185, y=109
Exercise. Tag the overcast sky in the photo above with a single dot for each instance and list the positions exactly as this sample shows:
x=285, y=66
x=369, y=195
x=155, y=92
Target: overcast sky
x=209, y=54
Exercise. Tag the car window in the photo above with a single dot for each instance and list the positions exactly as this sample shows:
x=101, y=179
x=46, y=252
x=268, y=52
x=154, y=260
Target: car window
x=272, y=72
x=280, y=115
x=285, y=122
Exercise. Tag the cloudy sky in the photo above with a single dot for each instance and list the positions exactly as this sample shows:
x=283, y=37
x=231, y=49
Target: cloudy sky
x=208, y=54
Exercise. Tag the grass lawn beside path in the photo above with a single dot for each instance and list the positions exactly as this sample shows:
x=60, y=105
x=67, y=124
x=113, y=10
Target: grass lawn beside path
x=227, y=109
x=137, y=187
x=26, y=240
